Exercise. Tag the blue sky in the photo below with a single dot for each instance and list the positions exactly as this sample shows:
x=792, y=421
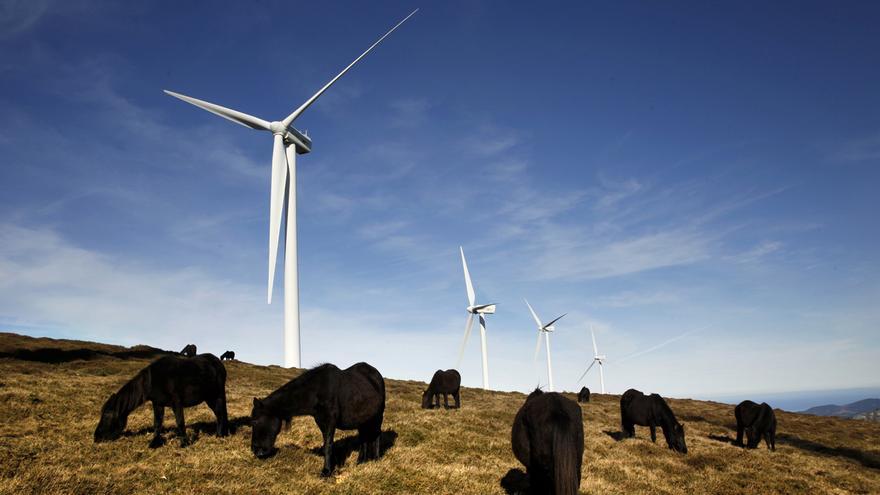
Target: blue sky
x=695, y=181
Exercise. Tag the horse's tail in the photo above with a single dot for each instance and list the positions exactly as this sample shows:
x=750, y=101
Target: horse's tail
x=566, y=468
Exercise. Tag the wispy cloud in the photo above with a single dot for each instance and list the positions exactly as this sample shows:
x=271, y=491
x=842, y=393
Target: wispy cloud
x=409, y=112
x=17, y=16
x=488, y=140
x=860, y=149
x=49, y=283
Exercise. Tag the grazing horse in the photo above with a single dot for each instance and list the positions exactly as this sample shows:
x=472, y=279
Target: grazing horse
x=637, y=408
x=584, y=395
x=444, y=382
x=548, y=439
x=758, y=421
x=348, y=399
x=170, y=381
x=228, y=355
x=189, y=350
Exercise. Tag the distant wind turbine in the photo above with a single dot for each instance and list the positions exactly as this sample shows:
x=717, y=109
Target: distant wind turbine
x=475, y=309
x=289, y=142
x=597, y=358
x=545, y=330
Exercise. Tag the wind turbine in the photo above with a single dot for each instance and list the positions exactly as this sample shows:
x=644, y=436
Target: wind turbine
x=597, y=358
x=545, y=330
x=475, y=309
x=289, y=142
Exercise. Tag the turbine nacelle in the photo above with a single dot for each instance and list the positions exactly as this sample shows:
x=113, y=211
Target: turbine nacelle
x=483, y=309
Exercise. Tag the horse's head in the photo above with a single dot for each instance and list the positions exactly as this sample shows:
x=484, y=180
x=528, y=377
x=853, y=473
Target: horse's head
x=676, y=440
x=426, y=399
x=266, y=426
x=112, y=423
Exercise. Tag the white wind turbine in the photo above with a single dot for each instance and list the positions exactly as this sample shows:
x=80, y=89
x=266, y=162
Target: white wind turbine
x=475, y=309
x=289, y=142
x=597, y=358
x=545, y=330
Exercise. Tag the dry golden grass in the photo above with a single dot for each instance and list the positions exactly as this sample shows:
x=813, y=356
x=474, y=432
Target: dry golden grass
x=48, y=413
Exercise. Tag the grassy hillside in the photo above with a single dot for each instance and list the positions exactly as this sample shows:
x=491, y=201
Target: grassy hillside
x=48, y=413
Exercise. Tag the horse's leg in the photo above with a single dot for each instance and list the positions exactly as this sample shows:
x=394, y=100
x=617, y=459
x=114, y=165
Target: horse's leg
x=767, y=439
x=329, y=430
x=752, y=438
x=457, y=397
x=181, y=425
x=375, y=446
x=739, y=435
x=773, y=440
x=653, y=432
x=158, y=416
x=445, y=401
x=436, y=400
x=219, y=408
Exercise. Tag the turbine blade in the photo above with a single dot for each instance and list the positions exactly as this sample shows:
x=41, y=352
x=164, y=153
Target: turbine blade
x=538, y=346
x=537, y=320
x=276, y=205
x=227, y=113
x=588, y=369
x=467, y=279
x=554, y=321
x=296, y=113
x=467, y=333
x=595, y=349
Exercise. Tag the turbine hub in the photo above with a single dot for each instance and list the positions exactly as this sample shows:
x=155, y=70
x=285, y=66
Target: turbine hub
x=278, y=128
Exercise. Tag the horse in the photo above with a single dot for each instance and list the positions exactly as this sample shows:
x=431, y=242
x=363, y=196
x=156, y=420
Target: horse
x=548, y=439
x=758, y=421
x=637, y=408
x=228, y=355
x=171, y=381
x=584, y=395
x=348, y=399
x=189, y=350
x=444, y=382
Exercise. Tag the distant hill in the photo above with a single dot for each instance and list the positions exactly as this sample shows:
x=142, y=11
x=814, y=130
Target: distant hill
x=846, y=411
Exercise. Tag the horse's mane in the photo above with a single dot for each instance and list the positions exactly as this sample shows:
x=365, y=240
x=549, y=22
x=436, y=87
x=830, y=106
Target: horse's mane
x=535, y=393
x=132, y=394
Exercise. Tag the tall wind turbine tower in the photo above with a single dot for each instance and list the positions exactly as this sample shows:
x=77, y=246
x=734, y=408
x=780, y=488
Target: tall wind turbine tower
x=545, y=331
x=480, y=310
x=597, y=358
x=288, y=142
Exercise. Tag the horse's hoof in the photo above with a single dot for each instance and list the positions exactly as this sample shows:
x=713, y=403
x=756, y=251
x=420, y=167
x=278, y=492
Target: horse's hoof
x=325, y=473
x=157, y=442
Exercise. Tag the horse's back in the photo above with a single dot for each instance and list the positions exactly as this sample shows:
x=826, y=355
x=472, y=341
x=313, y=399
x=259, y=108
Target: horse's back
x=447, y=381
x=746, y=412
x=360, y=395
x=197, y=378
x=370, y=373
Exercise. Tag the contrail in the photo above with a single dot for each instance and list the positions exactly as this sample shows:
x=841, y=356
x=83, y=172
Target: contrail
x=661, y=344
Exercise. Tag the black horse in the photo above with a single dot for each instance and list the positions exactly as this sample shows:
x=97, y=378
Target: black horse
x=189, y=350
x=228, y=355
x=444, y=382
x=584, y=395
x=348, y=399
x=637, y=408
x=758, y=421
x=548, y=439
x=171, y=381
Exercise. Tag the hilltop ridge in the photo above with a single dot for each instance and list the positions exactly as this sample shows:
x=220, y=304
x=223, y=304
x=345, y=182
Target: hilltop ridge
x=50, y=410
